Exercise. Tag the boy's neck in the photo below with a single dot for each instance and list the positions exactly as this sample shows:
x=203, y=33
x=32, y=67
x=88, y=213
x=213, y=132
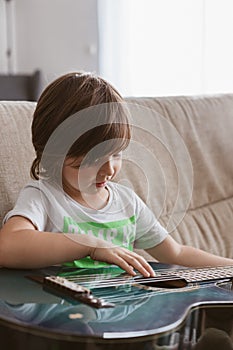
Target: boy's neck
x=95, y=201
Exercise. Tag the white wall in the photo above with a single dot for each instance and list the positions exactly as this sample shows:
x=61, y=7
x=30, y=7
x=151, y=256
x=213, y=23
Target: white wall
x=56, y=36
x=3, y=38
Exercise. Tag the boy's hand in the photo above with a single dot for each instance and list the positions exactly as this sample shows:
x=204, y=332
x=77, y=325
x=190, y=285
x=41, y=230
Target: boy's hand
x=124, y=258
x=101, y=250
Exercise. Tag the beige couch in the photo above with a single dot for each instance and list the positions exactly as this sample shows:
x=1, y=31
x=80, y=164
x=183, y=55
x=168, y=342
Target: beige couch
x=179, y=162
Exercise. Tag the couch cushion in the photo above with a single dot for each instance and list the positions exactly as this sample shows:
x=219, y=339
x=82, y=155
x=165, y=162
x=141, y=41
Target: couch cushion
x=16, y=151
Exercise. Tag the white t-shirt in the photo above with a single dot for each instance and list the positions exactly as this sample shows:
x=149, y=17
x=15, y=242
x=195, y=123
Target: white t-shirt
x=125, y=220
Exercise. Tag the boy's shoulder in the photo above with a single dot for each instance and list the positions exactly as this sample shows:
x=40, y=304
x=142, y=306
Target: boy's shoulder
x=34, y=184
x=41, y=186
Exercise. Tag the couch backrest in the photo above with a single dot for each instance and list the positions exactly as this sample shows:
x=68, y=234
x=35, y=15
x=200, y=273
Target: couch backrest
x=179, y=162
x=205, y=124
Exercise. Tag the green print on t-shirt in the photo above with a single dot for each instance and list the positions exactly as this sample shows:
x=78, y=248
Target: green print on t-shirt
x=121, y=233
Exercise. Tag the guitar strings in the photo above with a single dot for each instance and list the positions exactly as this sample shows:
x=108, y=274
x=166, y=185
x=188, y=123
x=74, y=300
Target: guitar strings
x=118, y=282
x=163, y=275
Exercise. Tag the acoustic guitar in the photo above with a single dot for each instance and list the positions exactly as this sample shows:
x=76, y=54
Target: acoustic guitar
x=61, y=308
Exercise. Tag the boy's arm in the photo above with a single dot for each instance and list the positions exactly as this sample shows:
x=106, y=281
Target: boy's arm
x=171, y=252
x=22, y=246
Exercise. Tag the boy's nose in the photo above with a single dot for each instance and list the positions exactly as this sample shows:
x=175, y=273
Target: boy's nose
x=107, y=168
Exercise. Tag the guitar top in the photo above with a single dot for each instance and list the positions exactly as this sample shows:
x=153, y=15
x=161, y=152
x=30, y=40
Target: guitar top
x=106, y=303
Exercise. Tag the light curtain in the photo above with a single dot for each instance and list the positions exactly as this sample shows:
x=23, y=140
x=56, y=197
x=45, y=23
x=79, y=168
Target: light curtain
x=167, y=47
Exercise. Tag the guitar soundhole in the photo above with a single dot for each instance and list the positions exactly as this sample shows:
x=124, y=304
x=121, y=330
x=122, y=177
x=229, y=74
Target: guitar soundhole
x=176, y=283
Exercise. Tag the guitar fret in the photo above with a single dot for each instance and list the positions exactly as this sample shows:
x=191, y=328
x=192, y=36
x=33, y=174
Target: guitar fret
x=205, y=273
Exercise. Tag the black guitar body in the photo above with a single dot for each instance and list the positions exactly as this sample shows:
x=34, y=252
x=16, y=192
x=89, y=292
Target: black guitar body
x=166, y=313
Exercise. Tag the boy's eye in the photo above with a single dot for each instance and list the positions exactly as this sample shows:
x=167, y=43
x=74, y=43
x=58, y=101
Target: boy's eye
x=77, y=166
x=96, y=162
x=103, y=160
x=117, y=155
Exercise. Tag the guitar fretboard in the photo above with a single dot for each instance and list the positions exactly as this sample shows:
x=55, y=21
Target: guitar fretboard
x=201, y=274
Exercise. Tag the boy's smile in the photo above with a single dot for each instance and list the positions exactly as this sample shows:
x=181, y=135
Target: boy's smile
x=87, y=183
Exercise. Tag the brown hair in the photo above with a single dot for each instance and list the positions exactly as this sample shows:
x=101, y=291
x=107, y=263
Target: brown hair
x=64, y=97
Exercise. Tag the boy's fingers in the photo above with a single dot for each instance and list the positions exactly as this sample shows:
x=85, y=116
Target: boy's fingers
x=138, y=266
x=144, y=263
x=139, y=263
x=125, y=266
x=125, y=259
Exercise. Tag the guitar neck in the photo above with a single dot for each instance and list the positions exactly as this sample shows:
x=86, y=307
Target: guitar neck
x=203, y=274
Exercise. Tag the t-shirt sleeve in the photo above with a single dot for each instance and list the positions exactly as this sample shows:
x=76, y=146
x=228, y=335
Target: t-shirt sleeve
x=149, y=232
x=31, y=205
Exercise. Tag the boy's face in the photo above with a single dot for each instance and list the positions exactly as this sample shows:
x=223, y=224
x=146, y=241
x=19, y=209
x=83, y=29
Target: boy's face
x=90, y=179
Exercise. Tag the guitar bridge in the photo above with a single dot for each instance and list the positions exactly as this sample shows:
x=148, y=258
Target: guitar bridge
x=63, y=287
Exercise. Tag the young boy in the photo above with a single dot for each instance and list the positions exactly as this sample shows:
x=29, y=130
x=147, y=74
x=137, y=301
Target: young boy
x=72, y=212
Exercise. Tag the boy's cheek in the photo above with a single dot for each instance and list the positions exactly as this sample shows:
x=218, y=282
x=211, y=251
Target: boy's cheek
x=85, y=178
